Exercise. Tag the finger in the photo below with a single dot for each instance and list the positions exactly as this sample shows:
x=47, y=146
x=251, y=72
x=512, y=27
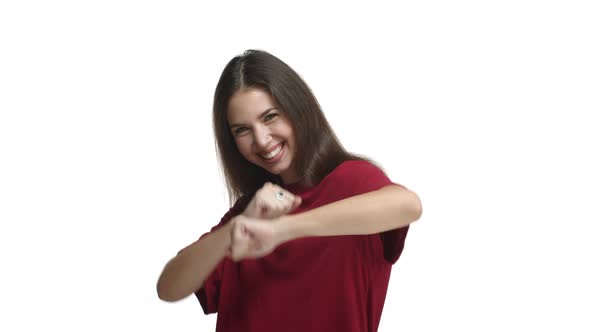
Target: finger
x=237, y=256
x=263, y=208
x=238, y=252
x=239, y=241
x=274, y=207
x=296, y=203
x=276, y=189
x=258, y=253
x=253, y=249
x=284, y=197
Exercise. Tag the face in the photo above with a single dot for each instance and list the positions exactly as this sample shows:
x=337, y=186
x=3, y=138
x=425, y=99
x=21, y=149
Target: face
x=262, y=132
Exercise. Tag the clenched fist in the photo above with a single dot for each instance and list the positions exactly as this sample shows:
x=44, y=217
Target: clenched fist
x=271, y=201
x=252, y=238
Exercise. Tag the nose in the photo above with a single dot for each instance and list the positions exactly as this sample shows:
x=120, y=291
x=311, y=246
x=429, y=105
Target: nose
x=262, y=136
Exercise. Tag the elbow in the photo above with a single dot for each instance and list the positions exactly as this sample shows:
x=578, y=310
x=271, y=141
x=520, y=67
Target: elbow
x=414, y=207
x=167, y=293
x=164, y=294
x=167, y=296
x=407, y=206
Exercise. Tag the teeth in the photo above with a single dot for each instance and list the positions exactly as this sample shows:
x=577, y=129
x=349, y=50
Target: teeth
x=273, y=153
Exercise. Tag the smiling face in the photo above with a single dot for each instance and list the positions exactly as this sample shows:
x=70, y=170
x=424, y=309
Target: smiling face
x=262, y=132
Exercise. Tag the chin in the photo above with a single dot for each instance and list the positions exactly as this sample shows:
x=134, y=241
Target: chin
x=276, y=170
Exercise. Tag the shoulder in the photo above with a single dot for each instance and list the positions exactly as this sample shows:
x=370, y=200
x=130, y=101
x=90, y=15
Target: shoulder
x=356, y=166
x=357, y=177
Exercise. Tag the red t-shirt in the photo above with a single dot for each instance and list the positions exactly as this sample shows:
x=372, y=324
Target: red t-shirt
x=333, y=283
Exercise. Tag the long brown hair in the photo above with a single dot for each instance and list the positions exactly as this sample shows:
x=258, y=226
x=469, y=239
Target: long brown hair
x=318, y=151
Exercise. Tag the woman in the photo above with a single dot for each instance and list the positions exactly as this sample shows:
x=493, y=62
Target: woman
x=310, y=241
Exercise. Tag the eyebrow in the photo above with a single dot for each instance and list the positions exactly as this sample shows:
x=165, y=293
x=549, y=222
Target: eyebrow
x=260, y=117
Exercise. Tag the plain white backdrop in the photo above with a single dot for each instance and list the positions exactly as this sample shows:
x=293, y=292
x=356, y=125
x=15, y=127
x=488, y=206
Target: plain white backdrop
x=108, y=167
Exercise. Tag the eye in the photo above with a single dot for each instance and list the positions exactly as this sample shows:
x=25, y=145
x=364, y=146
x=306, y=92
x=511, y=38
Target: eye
x=271, y=116
x=240, y=130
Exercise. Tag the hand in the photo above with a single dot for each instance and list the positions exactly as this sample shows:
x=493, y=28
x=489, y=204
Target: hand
x=271, y=201
x=252, y=238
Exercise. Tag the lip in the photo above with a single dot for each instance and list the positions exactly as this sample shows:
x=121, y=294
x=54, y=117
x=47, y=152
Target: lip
x=270, y=149
x=276, y=158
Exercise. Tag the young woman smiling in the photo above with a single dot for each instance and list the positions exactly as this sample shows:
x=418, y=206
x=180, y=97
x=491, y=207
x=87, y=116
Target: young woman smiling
x=309, y=242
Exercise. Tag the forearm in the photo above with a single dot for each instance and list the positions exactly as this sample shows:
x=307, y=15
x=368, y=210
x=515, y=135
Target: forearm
x=186, y=273
x=388, y=208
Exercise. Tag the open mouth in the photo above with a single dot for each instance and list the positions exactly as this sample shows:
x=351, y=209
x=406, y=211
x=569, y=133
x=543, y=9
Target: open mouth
x=273, y=155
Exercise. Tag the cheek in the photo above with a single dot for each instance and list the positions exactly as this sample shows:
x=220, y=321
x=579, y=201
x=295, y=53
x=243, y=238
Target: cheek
x=243, y=147
x=286, y=131
x=290, y=134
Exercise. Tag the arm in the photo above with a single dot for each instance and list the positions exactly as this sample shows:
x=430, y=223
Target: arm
x=186, y=273
x=381, y=210
x=374, y=212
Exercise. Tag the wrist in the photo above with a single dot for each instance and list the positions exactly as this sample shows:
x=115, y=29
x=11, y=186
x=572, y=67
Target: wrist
x=227, y=233
x=284, y=229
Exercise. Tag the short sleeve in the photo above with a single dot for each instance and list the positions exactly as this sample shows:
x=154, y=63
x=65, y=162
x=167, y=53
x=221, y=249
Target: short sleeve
x=365, y=177
x=208, y=294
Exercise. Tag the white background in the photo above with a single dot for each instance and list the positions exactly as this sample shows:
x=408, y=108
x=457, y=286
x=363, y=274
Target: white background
x=107, y=162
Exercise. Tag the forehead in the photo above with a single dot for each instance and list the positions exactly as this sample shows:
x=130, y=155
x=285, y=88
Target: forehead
x=247, y=104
